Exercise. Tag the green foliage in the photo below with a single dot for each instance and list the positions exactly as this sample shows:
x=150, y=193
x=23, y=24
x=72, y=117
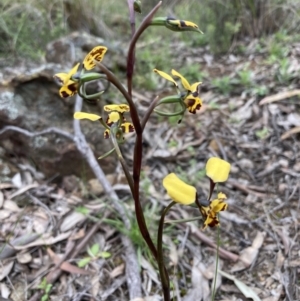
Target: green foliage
x=219, y=20
x=283, y=74
x=193, y=73
x=83, y=210
x=134, y=233
x=223, y=84
x=46, y=287
x=155, y=54
x=94, y=253
x=262, y=134
x=220, y=38
x=19, y=23
x=172, y=143
x=260, y=90
x=245, y=78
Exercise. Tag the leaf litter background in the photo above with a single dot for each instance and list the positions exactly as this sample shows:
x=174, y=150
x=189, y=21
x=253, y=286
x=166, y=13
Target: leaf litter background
x=259, y=256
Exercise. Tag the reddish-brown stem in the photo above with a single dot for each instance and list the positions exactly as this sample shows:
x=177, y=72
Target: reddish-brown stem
x=131, y=51
x=131, y=15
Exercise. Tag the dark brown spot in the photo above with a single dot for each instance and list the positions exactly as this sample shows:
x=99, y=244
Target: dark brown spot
x=182, y=24
x=73, y=88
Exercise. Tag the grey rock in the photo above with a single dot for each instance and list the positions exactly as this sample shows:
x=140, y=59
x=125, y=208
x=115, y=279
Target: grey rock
x=29, y=99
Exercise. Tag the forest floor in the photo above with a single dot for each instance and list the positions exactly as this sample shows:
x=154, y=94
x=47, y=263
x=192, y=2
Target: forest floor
x=251, y=118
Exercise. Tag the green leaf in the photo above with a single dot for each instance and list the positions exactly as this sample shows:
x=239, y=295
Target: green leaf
x=82, y=210
x=43, y=284
x=48, y=288
x=246, y=290
x=83, y=262
x=45, y=297
x=104, y=254
x=94, y=250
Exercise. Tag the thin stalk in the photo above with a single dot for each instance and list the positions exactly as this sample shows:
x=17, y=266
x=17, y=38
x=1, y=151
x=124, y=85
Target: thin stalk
x=121, y=159
x=164, y=276
x=131, y=15
x=138, y=148
x=137, y=159
x=216, y=269
x=211, y=189
x=148, y=112
x=131, y=53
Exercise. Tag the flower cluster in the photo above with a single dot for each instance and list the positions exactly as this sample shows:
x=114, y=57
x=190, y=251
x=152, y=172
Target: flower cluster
x=115, y=118
x=180, y=192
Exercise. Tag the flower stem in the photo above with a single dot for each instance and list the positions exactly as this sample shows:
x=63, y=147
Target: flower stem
x=216, y=270
x=160, y=259
x=148, y=112
x=137, y=160
x=131, y=51
x=131, y=15
x=121, y=159
x=211, y=189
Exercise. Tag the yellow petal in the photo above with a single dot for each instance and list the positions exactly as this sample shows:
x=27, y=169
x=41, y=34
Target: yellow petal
x=218, y=205
x=96, y=54
x=68, y=90
x=64, y=78
x=211, y=221
x=193, y=103
x=179, y=191
x=184, y=23
x=127, y=127
x=60, y=77
x=117, y=108
x=73, y=70
x=195, y=88
x=166, y=76
x=217, y=169
x=112, y=118
x=83, y=115
x=222, y=196
x=184, y=82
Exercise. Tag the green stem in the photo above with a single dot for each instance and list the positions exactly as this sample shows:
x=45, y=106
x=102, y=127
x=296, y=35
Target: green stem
x=160, y=259
x=216, y=269
x=121, y=159
x=148, y=112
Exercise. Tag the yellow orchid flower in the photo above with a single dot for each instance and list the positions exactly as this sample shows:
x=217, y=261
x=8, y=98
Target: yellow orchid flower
x=115, y=116
x=181, y=25
x=96, y=54
x=191, y=98
x=175, y=24
x=126, y=127
x=210, y=214
x=179, y=191
x=217, y=169
x=69, y=87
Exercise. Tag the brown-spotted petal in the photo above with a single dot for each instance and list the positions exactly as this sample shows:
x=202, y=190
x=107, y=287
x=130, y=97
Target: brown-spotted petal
x=193, y=103
x=117, y=108
x=127, y=127
x=68, y=90
x=96, y=54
